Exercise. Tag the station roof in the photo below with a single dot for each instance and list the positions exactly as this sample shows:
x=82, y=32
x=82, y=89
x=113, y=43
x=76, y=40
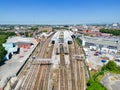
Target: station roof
x=67, y=35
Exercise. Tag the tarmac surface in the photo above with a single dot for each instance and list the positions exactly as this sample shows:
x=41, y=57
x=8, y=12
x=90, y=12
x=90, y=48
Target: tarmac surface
x=94, y=60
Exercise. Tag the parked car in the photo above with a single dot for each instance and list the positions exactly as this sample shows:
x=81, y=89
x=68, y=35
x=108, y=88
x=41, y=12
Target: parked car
x=118, y=60
x=96, y=54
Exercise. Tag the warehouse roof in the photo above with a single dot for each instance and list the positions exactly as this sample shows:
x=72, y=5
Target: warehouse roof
x=21, y=39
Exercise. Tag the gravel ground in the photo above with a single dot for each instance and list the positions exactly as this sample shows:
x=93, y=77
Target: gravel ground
x=111, y=81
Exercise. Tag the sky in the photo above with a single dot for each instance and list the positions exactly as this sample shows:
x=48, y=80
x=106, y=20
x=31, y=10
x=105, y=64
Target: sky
x=59, y=11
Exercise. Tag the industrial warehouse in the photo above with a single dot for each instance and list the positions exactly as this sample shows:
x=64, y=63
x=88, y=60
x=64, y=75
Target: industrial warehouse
x=101, y=42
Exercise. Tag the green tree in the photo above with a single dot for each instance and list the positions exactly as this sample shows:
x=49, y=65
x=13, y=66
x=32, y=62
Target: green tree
x=3, y=37
x=111, y=31
x=110, y=66
x=2, y=53
x=34, y=28
x=26, y=34
x=2, y=50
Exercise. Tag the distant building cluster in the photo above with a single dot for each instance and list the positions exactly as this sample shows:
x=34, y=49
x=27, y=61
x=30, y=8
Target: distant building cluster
x=112, y=26
x=15, y=27
x=88, y=30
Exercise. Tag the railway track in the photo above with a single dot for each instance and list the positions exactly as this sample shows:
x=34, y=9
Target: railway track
x=63, y=73
x=55, y=78
x=38, y=79
x=26, y=67
x=41, y=82
x=72, y=68
x=77, y=69
x=40, y=86
x=27, y=64
x=75, y=64
x=38, y=76
x=31, y=78
x=80, y=69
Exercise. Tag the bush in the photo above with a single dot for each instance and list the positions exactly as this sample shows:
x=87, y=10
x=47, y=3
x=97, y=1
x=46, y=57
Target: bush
x=94, y=85
x=111, y=67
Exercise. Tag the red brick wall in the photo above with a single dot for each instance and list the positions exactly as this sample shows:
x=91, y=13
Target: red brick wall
x=27, y=46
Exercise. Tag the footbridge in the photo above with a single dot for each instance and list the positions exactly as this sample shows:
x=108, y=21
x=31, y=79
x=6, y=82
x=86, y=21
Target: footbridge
x=43, y=61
